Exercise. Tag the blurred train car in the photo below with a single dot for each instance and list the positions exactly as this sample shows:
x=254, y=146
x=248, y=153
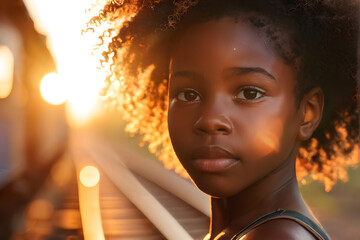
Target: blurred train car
x=33, y=133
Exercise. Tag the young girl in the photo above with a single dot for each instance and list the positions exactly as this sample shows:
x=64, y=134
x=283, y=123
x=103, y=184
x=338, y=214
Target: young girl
x=256, y=94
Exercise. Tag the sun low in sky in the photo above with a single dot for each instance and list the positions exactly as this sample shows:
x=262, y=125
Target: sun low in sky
x=78, y=81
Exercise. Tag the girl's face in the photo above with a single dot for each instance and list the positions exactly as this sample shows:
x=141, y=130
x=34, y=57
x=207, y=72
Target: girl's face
x=232, y=116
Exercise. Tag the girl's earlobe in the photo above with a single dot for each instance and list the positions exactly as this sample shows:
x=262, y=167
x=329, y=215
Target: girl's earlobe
x=311, y=108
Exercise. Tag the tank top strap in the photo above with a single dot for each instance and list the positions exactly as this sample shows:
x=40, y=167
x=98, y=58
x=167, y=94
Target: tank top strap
x=301, y=219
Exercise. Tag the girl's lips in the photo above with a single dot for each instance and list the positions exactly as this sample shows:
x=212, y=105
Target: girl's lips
x=213, y=159
x=215, y=165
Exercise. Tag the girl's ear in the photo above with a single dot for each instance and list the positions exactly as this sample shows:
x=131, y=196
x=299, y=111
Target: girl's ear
x=311, y=110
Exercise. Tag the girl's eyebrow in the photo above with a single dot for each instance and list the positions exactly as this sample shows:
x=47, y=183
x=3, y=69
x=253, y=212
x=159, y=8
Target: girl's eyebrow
x=186, y=74
x=235, y=71
x=227, y=73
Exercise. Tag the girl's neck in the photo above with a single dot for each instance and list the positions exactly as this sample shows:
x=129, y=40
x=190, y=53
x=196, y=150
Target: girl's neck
x=277, y=190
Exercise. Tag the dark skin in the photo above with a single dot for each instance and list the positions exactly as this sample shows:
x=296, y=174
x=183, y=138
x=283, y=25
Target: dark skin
x=235, y=126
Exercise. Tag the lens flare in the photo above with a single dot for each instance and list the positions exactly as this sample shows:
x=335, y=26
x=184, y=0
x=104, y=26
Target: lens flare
x=53, y=89
x=89, y=176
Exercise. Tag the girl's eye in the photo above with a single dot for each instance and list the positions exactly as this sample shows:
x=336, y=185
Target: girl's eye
x=250, y=93
x=188, y=96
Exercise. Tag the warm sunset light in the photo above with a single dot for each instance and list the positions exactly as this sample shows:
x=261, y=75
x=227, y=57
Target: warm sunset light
x=6, y=71
x=53, y=89
x=219, y=236
x=83, y=96
x=89, y=200
x=76, y=64
x=268, y=143
x=267, y=140
x=89, y=176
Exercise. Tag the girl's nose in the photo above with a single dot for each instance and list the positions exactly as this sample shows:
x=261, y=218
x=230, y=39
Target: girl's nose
x=214, y=124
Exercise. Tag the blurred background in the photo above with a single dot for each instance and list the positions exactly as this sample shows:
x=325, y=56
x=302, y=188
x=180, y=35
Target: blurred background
x=68, y=170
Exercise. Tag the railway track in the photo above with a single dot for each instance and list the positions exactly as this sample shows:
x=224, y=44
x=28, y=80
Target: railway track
x=135, y=198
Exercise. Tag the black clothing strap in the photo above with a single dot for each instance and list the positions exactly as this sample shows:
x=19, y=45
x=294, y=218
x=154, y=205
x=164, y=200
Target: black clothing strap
x=301, y=219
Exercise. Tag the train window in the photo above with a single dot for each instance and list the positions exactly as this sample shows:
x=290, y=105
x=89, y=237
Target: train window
x=6, y=71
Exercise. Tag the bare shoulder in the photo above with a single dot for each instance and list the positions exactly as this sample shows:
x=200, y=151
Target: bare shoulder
x=279, y=229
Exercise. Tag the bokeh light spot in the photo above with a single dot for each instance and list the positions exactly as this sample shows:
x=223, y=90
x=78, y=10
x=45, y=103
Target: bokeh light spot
x=40, y=209
x=6, y=71
x=53, y=89
x=89, y=176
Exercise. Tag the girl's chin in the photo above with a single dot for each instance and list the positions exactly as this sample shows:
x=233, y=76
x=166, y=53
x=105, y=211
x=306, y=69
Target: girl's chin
x=216, y=190
x=218, y=185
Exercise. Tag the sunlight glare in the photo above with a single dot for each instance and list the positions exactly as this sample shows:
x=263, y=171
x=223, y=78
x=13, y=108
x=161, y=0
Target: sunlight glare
x=269, y=141
x=89, y=176
x=267, y=138
x=75, y=62
x=82, y=102
x=6, y=71
x=53, y=89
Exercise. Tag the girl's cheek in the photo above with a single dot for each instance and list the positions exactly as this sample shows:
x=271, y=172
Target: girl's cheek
x=266, y=140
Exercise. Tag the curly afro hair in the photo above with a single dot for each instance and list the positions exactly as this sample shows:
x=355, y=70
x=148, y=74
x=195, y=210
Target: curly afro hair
x=321, y=34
